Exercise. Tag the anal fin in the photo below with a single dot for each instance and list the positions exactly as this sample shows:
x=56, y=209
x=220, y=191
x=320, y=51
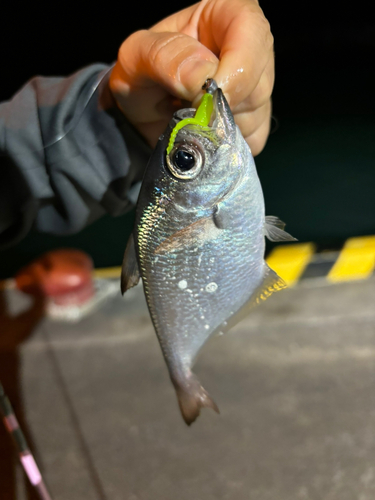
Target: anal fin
x=130, y=272
x=271, y=283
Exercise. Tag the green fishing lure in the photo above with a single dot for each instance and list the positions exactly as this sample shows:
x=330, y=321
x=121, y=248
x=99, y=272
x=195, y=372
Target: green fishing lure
x=202, y=118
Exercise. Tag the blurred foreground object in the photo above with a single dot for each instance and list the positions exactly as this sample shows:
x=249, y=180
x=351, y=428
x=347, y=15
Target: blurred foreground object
x=26, y=458
x=64, y=277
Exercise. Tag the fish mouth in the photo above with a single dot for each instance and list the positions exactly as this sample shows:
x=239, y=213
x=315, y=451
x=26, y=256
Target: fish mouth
x=222, y=119
x=213, y=112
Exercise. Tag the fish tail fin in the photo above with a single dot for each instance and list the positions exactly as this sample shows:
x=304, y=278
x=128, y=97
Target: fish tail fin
x=192, y=397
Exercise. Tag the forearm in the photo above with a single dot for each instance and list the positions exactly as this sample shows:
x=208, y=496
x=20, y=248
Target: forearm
x=67, y=155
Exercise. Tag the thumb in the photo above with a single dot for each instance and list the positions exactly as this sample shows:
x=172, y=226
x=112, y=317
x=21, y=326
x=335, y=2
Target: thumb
x=174, y=61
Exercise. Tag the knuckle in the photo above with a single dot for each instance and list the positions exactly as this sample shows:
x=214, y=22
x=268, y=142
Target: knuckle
x=257, y=143
x=160, y=48
x=255, y=127
x=256, y=17
x=260, y=97
x=258, y=139
x=252, y=121
x=265, y=89
x=133, y=39
x=129, y=45
x=264, y=30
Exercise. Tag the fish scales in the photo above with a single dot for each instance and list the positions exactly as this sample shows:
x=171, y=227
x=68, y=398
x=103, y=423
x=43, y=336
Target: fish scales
x=174, y=275
x=199, y=243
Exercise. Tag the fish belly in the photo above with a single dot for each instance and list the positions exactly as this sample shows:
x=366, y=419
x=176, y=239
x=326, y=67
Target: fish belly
x=193, y=290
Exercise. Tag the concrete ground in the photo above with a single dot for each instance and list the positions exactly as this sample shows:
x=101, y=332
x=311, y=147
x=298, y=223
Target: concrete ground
x=294, y=383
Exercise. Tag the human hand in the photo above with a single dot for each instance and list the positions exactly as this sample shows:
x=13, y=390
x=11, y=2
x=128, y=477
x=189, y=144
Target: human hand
x=159, y=69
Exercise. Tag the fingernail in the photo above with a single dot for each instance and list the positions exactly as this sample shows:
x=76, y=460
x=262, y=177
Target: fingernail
x=193, y=72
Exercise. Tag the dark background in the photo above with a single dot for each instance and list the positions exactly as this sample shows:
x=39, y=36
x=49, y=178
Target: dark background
x=318, y=168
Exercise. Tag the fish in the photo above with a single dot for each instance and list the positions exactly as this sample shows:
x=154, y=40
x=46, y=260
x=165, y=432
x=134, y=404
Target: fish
x=199, y=239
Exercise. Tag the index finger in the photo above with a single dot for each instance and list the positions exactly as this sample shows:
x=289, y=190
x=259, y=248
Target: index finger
x=237, y=32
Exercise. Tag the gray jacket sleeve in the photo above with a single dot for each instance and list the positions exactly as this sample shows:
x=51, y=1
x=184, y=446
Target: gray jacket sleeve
x=67, y=155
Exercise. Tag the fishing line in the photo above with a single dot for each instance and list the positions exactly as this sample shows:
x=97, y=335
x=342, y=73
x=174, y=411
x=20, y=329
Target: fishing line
x=75, y=120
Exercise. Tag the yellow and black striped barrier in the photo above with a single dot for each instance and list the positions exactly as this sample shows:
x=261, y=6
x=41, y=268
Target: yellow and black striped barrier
x=299, y=261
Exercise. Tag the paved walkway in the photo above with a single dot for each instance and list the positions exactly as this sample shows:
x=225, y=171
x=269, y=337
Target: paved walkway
x=294, y=383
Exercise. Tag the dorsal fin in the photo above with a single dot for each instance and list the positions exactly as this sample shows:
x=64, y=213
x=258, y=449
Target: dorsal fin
x=274, y=229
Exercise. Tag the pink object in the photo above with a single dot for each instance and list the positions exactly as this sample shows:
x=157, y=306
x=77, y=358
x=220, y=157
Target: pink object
x=31, y=468
x=65, y=276
x=11, y=423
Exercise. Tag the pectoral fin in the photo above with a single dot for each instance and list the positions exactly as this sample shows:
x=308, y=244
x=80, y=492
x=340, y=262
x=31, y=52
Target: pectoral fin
x=130, y=272
x=221, y=217
x=196, y=233
x=274, y=229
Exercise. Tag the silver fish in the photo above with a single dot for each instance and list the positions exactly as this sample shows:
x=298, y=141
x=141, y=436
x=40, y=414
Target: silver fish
x=198, y=242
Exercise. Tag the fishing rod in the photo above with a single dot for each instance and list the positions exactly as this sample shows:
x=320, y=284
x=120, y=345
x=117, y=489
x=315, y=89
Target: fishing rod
x=26, y=457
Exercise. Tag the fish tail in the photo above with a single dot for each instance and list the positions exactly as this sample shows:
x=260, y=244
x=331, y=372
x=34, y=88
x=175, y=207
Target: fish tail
x=192, y=397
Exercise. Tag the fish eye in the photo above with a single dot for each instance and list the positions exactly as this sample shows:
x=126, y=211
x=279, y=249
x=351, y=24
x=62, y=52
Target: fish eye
x=185, y=161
